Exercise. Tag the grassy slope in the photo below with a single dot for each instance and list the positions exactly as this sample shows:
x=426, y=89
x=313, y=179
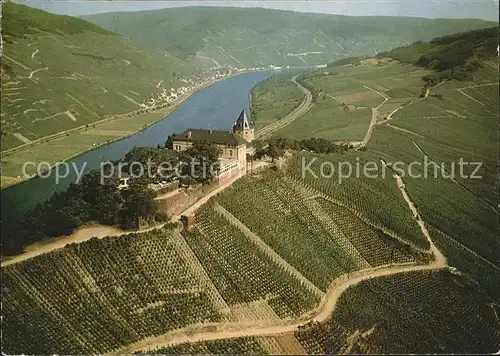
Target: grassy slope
x=273, y=99
x=75, y=143
x=327, y=119
x=75, y=67
x=256, y=37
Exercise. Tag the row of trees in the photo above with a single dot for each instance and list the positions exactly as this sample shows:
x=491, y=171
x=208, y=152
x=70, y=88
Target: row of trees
x=276, y=146
x=317, y=145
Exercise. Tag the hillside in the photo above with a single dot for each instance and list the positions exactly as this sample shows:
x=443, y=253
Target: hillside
x=60, y=72
x=387, y=109
x=459, y=53
x=213, y=37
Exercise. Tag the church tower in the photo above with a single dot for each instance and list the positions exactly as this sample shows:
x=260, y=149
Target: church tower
x=243, y=127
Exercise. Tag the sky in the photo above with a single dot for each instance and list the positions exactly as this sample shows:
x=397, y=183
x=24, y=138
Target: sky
x=484, y=9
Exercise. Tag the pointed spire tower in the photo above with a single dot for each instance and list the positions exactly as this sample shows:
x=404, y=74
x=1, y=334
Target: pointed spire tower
x=243, y=127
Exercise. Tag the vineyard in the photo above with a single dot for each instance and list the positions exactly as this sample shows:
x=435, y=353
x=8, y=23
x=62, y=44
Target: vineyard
x=241, y=346
x=283, y=344
x=376, y=247
x=469, y=262
x=290, y=230
x=465, y=207
x=408, y=313
x=377, y=199
x=241, y=272
x=99, y=295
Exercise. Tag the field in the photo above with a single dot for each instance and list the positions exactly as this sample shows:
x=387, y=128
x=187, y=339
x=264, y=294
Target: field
x=383, y=246
x=356, y=87
x=456, y=121
x=273, y=99
x=232, y=270
x=307, y=232
x=366, y=322
x=246, y=346
x=242, y=277
x=378, y=200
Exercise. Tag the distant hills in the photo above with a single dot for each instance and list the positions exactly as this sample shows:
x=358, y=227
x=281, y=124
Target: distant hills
x=224, y=36
x=60, y=72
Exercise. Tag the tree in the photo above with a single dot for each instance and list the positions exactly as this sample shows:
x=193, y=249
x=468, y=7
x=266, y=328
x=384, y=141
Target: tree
x=201, y=162
x=258, y=144
x=169, y=143
x=138, y=203
x=259, y=153
x=250, y=158
x=274, y=152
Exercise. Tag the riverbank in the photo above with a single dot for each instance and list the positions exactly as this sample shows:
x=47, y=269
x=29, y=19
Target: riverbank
x=67, y=145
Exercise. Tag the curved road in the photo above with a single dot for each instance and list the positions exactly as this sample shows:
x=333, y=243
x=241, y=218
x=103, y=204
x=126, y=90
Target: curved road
x=299, y=111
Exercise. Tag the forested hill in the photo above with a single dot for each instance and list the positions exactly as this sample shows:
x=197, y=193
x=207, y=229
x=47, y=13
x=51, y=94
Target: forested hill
x=452, y=56
x=60, y=72
x=448, y=51
x=221, y=36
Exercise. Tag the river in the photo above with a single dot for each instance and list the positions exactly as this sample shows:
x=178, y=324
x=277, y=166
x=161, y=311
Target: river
x=215, y=107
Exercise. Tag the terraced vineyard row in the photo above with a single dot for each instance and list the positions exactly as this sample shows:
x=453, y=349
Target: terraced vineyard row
x=376, y=247
x=467, y=261
x=288, y=190
x=283, y=344
x=241, y=346
x=240, y=271
x=293, y=233
x=99, y=295
x=378, y=199
x=417, y=312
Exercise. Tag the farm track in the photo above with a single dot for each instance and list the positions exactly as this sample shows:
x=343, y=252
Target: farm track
x=373, y=120
x=428, y=91
x=298, y=112
x=404, y=130
x=321, y=313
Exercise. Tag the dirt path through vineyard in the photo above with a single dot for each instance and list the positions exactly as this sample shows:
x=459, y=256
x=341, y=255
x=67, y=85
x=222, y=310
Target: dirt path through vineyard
x=321, y=313
x=86, y=233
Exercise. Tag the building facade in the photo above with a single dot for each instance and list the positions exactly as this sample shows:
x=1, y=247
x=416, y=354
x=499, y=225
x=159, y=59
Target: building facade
x=233, y=144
